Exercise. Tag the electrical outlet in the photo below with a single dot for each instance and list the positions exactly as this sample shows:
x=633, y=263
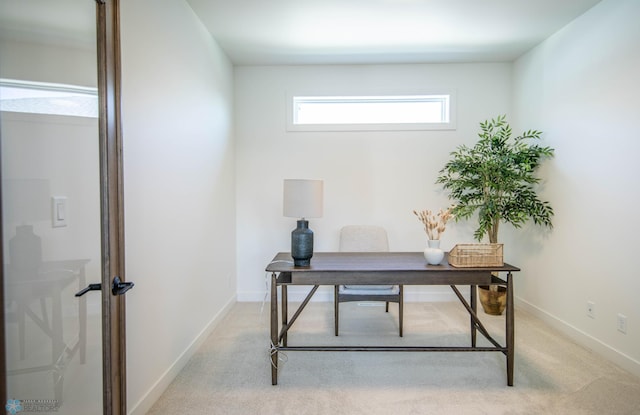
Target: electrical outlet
x=591, y=309
x=622, y=323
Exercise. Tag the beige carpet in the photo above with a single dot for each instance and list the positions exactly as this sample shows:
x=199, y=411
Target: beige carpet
x=230, y=374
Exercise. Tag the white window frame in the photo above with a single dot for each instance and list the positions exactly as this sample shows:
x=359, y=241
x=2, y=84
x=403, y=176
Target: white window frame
x=448, y=96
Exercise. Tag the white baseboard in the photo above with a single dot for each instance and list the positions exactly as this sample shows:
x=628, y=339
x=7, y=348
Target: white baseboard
x=625, y=362
x=146, y=402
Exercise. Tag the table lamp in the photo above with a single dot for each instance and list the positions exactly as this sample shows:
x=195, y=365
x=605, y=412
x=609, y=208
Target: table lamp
x=302, y=199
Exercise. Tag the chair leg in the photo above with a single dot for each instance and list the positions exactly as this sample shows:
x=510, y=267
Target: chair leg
x=386, y=308
x=335, y=309
x=401, y=309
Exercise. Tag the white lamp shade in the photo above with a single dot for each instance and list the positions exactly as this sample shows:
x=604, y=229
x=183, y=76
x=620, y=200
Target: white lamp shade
x=302, y=198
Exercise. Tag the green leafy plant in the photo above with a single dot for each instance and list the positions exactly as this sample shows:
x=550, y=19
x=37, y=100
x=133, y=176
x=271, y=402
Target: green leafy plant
x=496, y=178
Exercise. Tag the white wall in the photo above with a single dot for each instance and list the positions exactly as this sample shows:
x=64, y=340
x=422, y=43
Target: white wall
x=369, y=177
x=581, y=88
x=179, y=190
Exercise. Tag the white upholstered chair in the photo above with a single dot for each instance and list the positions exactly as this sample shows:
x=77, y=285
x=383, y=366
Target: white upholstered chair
x=366, y=238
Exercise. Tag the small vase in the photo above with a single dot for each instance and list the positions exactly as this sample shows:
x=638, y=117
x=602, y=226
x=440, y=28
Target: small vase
x=433, y=254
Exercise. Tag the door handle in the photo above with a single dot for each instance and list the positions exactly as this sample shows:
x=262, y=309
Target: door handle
x=118, y=287
x=90, y=287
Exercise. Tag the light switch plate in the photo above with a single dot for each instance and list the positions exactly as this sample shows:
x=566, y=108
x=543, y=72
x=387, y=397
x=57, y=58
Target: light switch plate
x=58, y=211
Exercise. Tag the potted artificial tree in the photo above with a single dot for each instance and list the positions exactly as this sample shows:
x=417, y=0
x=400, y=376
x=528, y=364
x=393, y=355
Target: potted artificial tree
x=496, y=178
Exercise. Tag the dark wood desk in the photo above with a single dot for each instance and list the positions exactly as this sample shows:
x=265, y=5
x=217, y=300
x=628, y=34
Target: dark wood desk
x=395, y=268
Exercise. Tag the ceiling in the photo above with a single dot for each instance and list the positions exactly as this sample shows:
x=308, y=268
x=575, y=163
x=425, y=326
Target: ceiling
x=276, y=32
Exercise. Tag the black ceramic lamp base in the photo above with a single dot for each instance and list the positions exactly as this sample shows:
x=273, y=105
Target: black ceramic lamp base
x=302, y=244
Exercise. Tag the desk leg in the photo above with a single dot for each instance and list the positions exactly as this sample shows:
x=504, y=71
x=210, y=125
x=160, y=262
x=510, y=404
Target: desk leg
x=82, y=311
x=285, y=313
x=510, y=330
x=336, y=309
x=274, y=330
x=474, y=307
x=58, y=347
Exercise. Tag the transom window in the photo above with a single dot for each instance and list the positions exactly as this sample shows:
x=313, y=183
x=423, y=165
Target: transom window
x=376, y=112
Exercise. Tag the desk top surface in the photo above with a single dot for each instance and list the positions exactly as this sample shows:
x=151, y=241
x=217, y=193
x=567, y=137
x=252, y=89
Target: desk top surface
x=371, y=261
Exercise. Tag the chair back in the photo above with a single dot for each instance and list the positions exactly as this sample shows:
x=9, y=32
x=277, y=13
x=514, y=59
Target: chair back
x=363, y=238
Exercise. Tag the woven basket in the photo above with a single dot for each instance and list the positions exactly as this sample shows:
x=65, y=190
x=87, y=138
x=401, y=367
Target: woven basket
x=476, y=255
